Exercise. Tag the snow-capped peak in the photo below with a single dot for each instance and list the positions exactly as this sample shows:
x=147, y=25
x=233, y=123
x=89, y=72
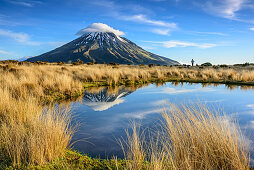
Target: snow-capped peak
x=101, y=38
x=99, y=27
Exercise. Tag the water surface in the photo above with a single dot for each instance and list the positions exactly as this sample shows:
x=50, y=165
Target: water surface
x=104, y=113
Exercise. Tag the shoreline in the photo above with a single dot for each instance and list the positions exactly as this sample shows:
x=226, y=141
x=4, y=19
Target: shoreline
x=48, y=84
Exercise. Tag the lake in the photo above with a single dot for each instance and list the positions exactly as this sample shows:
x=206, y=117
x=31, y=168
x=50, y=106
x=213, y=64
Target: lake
x=105, y=113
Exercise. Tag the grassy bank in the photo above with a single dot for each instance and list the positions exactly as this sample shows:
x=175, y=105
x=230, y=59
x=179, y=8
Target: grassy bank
x=35, y=136
x=30, y=133
x=74, y=160
x=58, y=82
x=190, y=137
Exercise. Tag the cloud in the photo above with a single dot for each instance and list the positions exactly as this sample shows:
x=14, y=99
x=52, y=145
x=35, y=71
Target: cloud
x=4, y=52
x=25, y=39
x=164, y=27
x=24, y=3
x=169, y=90
x=5, y=20
x=99, y=27
x=105, y=3
x=208, y=33
x=252, y=29
x=173, y=43
x=161, y=31
x=250, y=125
x=141, y=114
x=160, y=103
x=143, y=19
x=119, y=12
x=251, y=106
x=226, y=8
x=19, y=37
x=118, y=9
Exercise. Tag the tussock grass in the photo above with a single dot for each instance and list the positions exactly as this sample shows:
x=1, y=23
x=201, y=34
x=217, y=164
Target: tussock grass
x=191, y=137
x=66, y=81
x=33, y=135
x=30, y=134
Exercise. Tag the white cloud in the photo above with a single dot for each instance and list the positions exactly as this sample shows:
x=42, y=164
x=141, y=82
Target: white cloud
x=141, y=114
x=225, y=8
x=99, y=27
x=4, y=52
x=208, y=33
x=252, y=29
x=19, y=37
x=164, y=27
x=251, y=106
x=24, y=38
x=161, y=31
x=6, y=20
x=172, y=44
x=142, y=18
x=250, y=125
x=24, y=3
x=169, y=90
x=251, y=109
x=119, y=12
x=160, y=102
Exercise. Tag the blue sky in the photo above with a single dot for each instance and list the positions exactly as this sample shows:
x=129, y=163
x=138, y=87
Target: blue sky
x=207, y=30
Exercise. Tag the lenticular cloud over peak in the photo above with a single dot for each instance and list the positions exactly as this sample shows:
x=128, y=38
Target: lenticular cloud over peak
x=99, y=27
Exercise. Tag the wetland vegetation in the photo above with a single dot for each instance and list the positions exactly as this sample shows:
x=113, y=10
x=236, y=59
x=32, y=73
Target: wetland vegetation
x=36, y=134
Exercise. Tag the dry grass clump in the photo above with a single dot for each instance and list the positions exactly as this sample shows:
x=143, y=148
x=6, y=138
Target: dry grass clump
x=191, y=137
x=39, y=81
x=30, y=134
x=44, y=80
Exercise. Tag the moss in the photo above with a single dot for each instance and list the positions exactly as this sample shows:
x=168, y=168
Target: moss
x=75, y=160
x=95, y=84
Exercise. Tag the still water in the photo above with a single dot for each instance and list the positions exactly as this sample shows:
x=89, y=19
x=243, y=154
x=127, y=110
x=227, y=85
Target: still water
x=104, y=113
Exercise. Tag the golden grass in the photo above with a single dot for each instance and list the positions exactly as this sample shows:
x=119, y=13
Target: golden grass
x=50, y=80
x=191, y=137
x=30, y=134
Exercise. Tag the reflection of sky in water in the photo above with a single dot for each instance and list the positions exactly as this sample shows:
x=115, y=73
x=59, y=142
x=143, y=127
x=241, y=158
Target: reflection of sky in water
x=104, y=117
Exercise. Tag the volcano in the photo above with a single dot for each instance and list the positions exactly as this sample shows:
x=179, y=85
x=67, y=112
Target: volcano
x=103, y=44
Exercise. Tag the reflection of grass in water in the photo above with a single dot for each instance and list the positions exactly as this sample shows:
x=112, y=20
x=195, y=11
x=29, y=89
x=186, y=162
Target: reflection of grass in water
x=30, y=136
x=55, y=82
x=191, y=137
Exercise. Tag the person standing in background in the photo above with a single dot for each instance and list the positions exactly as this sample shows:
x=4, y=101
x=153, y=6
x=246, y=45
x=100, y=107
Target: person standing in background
x=192, y=62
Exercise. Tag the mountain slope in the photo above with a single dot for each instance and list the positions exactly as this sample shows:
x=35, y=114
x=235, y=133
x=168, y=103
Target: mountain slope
x=102, y=47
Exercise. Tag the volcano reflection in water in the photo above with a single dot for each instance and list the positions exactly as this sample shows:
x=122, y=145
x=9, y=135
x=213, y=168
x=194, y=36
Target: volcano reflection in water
x=100, y=99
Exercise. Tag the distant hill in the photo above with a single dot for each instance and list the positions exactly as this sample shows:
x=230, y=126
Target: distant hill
x=102, y=46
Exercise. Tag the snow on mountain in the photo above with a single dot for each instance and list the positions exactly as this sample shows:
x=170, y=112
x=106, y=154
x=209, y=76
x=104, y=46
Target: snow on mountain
x=102, y=43
x=103, y=100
